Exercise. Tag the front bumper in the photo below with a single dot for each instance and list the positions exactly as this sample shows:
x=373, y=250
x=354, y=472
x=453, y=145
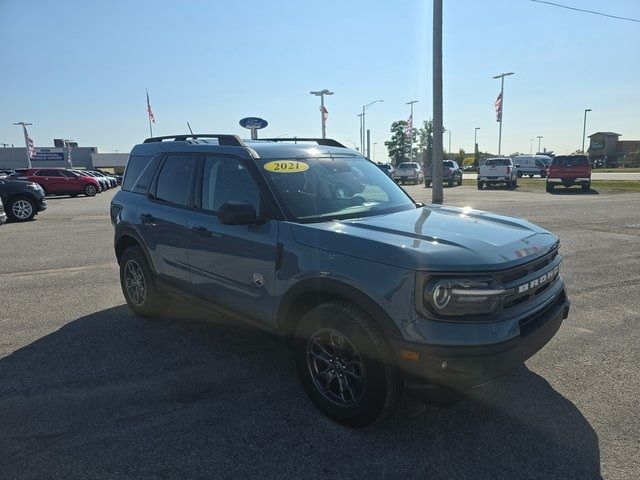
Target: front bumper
x=465, y=367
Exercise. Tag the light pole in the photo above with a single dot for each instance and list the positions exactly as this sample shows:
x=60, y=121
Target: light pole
x=539, y=137
x=437, y=193
x=361, y=135
x=410, y=103
x=501, y=77
x=364, y=127
x=584, y=127
x=475, y=145
x=374, y=150
x=531, y=146
x=323, y=116
x=449, y=150
x=27, y=140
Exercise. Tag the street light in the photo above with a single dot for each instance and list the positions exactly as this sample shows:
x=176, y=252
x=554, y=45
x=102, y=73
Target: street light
x=539, y=137
x=501, y=77
x=364, y=128
x=321, y=94
x=584, y=127
x=475, y=145
x=411, y=131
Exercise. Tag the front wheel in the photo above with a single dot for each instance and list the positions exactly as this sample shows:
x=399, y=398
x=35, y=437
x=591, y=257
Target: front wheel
x=460, y=181
x=345, y=365
x=21, y=209
x=451, y=182
x=550, y=187
x=90, y=190
x=480, y=185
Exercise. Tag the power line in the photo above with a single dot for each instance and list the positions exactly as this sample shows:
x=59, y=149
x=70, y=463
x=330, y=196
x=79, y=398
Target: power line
x=587, y=11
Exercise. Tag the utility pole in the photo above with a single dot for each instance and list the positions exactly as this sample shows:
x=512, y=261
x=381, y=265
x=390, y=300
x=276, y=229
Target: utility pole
x=437, y=193
x=323, y=112
x=411, y=131
x=584, y=127
x=475, y=147
x=501, y=77
x=374, y=150
x=531, y=146
x=539, y=137
x=361, y=135
x=368, y=144
x=27, y=140
x=364, y=128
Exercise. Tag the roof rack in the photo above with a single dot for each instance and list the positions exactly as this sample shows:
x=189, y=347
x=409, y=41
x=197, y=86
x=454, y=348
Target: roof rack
x=223, y=139
x=327, y=142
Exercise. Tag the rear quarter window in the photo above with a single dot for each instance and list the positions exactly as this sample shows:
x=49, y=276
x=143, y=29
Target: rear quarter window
x=134, y=168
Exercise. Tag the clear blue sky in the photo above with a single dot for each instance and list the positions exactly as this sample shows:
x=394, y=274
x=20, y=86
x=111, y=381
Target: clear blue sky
x=78, y=69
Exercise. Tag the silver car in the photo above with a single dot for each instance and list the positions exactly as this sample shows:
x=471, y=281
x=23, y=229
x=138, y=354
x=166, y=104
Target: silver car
x=408, y=172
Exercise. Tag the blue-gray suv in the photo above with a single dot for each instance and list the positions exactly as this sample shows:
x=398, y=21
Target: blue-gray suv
x=378, y=296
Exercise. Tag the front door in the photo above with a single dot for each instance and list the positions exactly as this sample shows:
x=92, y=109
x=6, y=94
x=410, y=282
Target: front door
x=232, y=266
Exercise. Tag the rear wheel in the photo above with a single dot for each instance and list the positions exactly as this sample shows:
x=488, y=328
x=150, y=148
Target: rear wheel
x=480, y=185
x=138, y=283
x=90, y=190
x=550, y=187
x=587, y=187
x=451, y=182
x=345, y=365
x=460, y=181
x=21, y=209
x=427, y=183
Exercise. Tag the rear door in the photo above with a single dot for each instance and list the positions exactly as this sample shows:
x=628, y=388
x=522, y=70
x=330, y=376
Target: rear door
x=52, y=180
x=162, y=219
x=232, y=265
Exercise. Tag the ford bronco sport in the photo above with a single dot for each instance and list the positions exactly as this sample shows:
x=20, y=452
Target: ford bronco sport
x=376, y=294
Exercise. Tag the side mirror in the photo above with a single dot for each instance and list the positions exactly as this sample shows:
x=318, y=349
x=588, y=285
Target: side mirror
x=238, y=213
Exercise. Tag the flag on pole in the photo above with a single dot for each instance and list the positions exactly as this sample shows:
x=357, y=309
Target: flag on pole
x=498, y=105
x=152, y=118
x=29, y=141
x=409, y=128
x=325, y=112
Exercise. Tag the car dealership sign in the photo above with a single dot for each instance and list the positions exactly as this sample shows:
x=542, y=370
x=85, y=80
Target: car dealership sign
x=254, y=124
x=48, y=155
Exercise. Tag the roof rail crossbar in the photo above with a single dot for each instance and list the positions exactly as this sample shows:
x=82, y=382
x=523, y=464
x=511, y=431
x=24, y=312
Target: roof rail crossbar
x=223, y=139
x=327, y=142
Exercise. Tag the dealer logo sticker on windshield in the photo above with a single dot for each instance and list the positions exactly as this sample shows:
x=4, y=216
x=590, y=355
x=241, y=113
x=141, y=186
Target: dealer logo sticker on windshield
x=286, y=166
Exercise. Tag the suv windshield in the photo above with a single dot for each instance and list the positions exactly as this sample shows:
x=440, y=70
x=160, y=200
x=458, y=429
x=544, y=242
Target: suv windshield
x=569, y=160
x=324, y=188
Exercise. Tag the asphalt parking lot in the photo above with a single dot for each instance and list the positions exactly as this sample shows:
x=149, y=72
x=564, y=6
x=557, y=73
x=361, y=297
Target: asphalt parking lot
x=87, y=390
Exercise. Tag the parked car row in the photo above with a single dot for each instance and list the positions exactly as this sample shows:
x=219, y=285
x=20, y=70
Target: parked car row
x=62, y=181
x=20, y=200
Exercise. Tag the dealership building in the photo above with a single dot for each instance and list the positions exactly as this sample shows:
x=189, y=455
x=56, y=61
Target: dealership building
x=606, y=149
x=87, y=158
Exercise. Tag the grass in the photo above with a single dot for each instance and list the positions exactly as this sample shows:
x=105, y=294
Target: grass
x=599, y=185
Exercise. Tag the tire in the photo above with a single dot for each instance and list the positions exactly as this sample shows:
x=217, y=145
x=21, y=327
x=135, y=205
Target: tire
x=587, y=187
x=336, y=338
x=402, y=182
x=451, y=182
x=550, y=187
x=519, y=174
x=90, y=190
x=530, y=176
x=460, y=181
x=543, y=175
x=427, y=183
x=21, y=209
x=135, y=269
x=480, y=185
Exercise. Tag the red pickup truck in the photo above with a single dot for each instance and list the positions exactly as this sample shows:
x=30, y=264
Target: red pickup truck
x=569, y=170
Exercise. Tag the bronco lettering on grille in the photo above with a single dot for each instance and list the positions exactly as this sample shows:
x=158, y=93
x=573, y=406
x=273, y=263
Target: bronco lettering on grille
x=550, y=275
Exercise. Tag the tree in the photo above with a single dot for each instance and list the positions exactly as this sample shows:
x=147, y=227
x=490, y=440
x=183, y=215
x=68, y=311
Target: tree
x=459, y=158
x=398, y=144
x=425, y=142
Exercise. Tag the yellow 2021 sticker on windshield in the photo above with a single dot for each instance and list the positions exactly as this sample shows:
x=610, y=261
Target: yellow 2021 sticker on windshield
x=286, y=166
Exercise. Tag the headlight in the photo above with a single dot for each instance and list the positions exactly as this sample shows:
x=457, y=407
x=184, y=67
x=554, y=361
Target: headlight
x=459, y=296
x=35, y=186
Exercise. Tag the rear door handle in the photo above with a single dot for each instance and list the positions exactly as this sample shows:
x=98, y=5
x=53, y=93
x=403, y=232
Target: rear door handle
x=202, y=231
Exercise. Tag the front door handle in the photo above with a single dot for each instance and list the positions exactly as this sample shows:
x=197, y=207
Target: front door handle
x=202, y=231
x=147, y=218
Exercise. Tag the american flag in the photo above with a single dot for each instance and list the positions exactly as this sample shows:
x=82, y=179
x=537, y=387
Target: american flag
x=152, y=118
x=325, y=112
x=499, y=108
x=29, y=142
x=409, y=128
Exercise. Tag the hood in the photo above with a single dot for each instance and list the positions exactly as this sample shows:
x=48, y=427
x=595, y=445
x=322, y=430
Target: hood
x=433, y=238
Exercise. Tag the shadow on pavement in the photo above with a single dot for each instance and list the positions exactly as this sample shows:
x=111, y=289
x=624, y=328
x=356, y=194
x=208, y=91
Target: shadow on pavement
x=111, y=395
x=573, y=191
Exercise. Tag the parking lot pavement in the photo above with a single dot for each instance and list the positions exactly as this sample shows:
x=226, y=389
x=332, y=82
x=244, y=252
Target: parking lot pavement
x=87, y=390
x=595, y=175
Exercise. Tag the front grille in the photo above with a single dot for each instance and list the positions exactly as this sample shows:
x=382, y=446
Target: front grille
x=522, y=276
